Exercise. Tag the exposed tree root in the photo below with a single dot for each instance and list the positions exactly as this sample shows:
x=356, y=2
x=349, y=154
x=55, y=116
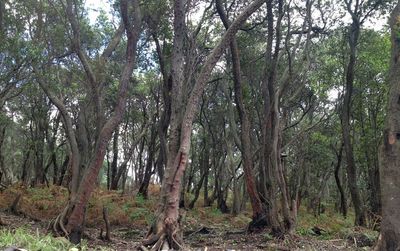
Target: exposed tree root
x=163, y=237
x=58, y=225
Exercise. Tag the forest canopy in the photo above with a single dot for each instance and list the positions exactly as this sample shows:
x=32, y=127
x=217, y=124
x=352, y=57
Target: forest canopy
x=273, y=109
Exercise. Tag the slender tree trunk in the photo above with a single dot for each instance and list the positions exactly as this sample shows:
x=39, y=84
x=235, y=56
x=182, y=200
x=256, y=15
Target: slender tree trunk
x=206, y=199
x=259, y=219
x=197, y=190
x=354, y=32
x=269, y=179
x=166, y=113
x=63, y=170
x=39, y=150
x=2, y=166
x=343, y=201
x=140, y=171
x=26, y=166
x=143, y=189
x=389, y=239
x=114, y=163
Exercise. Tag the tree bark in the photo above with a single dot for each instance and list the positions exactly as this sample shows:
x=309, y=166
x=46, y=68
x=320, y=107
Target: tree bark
x=343, y=201
x=143, y=189
x=71, y=220
x=203, y=166
x=114, y=163
x=389, y=239
x=166, y=229
x=2, y=166
x=354, y=32
x=259, y=219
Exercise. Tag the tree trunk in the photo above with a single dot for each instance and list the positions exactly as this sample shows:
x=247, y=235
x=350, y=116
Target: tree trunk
x=26, y=167
x=203, y=163
x=71, y=221
x=259, y=219
x=206, y=198
x=166, y=231
x=63, y=170
x=114, y=163
x=269, y=178
x=143, y=189
x=343, y=202
x=2, y=166
x=140, y=170
x=389, y=239
x=39, y=147
x=166, y=113
x=354, y=32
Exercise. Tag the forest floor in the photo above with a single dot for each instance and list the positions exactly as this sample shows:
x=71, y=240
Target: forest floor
x=205, y=228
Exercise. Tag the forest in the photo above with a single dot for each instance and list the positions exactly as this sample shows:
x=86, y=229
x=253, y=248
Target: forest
x=199, y=125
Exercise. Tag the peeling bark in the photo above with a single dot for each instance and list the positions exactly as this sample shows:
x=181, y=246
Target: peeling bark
x=71, y=221
x=167, y=230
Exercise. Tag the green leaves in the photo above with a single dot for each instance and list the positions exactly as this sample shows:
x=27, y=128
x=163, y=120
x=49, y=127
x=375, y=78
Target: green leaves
x=23, y=238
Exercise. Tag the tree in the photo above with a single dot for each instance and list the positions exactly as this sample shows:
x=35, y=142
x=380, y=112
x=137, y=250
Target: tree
x=254, y=115
x=259, y=218
x=389, y=239
x=359, y=12
x=166, y=230
x=70, y=221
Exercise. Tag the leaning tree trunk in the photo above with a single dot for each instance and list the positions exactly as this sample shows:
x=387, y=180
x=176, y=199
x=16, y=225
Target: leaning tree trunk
x=70, y=222
x=259, y=219
x=166, y=229
x=389, y=239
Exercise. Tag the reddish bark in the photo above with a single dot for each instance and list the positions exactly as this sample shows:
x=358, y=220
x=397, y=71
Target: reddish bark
x=259, y=218
x=73, y=215
x=166, y=229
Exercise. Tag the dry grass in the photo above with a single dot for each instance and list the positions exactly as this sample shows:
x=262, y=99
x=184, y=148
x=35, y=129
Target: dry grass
x=46, y=202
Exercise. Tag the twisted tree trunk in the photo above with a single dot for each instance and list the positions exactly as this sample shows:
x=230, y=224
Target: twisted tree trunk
x=166, y=231
x=71, y=221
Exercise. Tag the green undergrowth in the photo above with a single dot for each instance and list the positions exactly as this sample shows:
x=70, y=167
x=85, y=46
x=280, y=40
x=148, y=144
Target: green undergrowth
x=332, y=225
x=135, y=212
x=23, y=238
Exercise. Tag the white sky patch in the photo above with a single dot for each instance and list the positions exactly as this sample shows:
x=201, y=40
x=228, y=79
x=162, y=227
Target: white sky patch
x=94, y=6
x=333, y=94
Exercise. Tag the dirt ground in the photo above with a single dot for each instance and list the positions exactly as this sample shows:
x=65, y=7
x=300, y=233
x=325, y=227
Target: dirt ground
x=204, y=228
x=208, y=238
